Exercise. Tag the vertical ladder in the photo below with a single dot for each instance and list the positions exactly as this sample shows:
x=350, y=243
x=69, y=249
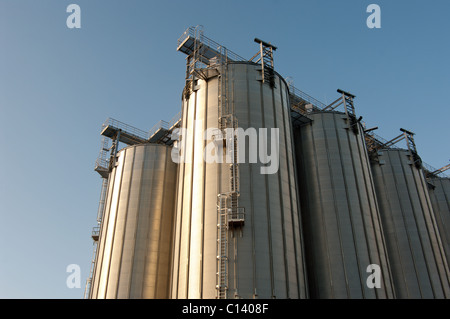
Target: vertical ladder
x=87, y=288
x=266, y=58
x=408, y=135
x=103, y=166
x=95, y=235
x=222, y=248
x=101, y=204
x=229, y=215
x=222, y=198
x=346, y=99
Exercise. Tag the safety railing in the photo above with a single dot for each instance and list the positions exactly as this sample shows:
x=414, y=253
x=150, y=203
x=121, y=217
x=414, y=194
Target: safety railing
x=102, y=162
x=186, y=34
x=164, y=124
x=126, y=127
x=161, y=124
x=175, y=119
x=380, y=142
x=95, y=233
x=191, y=32
x=431, y=170
x=308, y=98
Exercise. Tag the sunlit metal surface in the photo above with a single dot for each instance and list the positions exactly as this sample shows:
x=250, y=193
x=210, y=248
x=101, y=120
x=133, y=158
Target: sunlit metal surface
x=134, y=252
x=265, y=255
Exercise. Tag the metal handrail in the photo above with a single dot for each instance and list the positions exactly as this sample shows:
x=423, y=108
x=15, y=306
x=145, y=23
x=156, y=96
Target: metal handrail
x=175, y=119
x=306, y=97
x=95, y=231
x=164, y=124
x=125, y=127
x=190, y=32
x=431, y=169
x=157, y=126
x=383, y=142
x=101, y=162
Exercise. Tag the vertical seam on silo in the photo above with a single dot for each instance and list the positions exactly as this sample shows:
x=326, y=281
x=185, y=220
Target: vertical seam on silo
x=438, y=238
x=282, y=212
x=277, y=146
x=349, y=208
x=302, y=286
x=393, y=224
x=194, y=132
x=305, y=204
x=361, y=210
x=322, y=212
x=140, y=213
x=182, y=169
x=163, y=202
x=252, y=214
x=174, y=228
x=433, y=224
x=445, y=223
x=404, y=221
x=442, y=237
x=300, y=251
x=114, y=226
x=437, y=212
x=298, y=247
x=125, y=222
x=202, y=249
x=382, y=249
x=381, y=236
x=419, y=233
x=269, y=228
x=334, y=203
x=360, y=143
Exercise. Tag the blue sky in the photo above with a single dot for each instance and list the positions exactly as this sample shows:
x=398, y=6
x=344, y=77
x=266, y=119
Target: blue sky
x=58, y=85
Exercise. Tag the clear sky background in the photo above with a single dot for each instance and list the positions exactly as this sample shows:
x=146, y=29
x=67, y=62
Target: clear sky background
x=58, y=85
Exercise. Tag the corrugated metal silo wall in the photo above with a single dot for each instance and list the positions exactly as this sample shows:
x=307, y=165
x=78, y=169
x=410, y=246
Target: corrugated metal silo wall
x=134, y=251
x=440, y=200
x=417, y=258
x=341, y=222
x=265, y=256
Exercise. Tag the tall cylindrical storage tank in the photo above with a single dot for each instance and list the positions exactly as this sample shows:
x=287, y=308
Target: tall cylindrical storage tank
x=440, y=200
x=265, y=255
x=417, y=258
x=134, y=250
x=341, y=221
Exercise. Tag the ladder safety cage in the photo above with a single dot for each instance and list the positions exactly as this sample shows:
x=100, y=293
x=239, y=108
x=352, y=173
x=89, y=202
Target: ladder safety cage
x=346, y=99
x=266, y=59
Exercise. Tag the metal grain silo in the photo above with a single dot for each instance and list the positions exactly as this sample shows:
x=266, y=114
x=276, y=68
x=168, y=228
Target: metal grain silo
x=237, y=230
x=134, y=250
x=342, y=227
x=440, y=200
x=415, y=250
